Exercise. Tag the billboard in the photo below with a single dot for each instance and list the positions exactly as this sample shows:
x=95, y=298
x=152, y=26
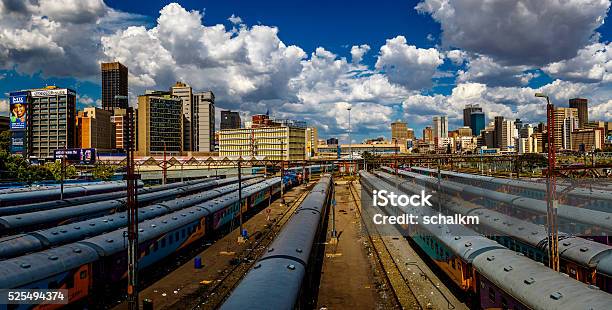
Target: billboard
x=52, y=92
x=19, y=112
x=18, y=142
x=80, y=156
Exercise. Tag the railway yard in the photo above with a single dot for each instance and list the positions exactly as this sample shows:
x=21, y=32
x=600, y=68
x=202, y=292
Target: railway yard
x=309, y=241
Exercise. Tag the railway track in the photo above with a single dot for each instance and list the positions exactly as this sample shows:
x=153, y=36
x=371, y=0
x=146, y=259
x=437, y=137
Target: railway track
x=400, y=288
x=214, y=296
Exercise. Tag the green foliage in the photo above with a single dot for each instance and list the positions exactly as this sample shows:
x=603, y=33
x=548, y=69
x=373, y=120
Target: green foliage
x=56, y=170
x=5, y=141
x=18, y=169
x=103, y=172
x=532, y=161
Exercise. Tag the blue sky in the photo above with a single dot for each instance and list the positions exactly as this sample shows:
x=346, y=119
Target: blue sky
x=423, y=58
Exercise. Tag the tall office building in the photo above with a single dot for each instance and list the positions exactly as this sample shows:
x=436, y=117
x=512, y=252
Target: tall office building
x=230, y=120
x=498, y=131
x=440, y=127
x=467, y=112
x=560, y=115
x=581, y=105
x=312, y=138
x=159, y=122
x=569, y=125
x=588, y=140
x=518, y=124
x=185, y=93
x=507, y=135
x=410, y=133
x=95, y=129
x=428, y=134
x=204, y=122
x=114, y=86
x=526, y=131
x=477, y=122
x=399, y=131
x=119, y=119
x=53, y=121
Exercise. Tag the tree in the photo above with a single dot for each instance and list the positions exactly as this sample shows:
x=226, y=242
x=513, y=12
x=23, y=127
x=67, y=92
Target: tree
x=56, y=170
x=103, y=172
x=5, y=141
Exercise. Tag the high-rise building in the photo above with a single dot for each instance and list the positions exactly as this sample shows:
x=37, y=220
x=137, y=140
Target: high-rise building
x=518, y=124
x=464, y=131
x=410, y=133
x=399, y=131
x=95, y=129
x=312, y=138
x=477, y=122
x=185, y=93
x=467, y=114
x=497, y=139
x=332, y=141
x=230, y=120
x=204, y=122
x=569, y=125
x=114, y=86
x=53, y=121
x=160, y=117
x=119, y=119
x=507, y=135
x=275, y=143
x=440, y=127
x=526, y=131
x=581, y=105
x=428, y=134
x=560, y=115
x=588, y=140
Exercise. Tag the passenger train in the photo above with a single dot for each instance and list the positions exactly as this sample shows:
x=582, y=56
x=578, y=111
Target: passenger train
x=492, y=276
x=590, y=198
x=16, y=245
x=95, y=265
x=582, y=259
x=288, y=272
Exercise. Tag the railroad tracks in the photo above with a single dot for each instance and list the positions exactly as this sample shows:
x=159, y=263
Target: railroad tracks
x=214, y=296
x=394, y=278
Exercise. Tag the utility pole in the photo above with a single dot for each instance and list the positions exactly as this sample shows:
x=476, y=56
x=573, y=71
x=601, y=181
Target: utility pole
x=132, y=212
x=350, y=141
x=241, y=236
x=165, y=167
x=62, y=170
x=552, y=203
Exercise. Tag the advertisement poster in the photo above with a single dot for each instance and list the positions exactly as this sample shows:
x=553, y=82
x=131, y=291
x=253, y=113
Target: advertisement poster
x=80, y=156
x=18, y=107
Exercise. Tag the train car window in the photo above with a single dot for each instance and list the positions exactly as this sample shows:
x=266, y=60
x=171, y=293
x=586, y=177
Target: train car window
x=170, y=239
x=147, y=251
x=453, y=263
x=163, y=243
x=155, y=246
x=176, y=236
x=183, y=233
x=83, y=274
x=491, y=294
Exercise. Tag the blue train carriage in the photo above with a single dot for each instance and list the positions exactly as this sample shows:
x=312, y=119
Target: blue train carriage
x=68, y=267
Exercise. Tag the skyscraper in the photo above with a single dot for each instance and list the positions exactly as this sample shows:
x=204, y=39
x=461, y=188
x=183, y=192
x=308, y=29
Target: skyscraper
x=95, y=129
x=159, y=124
x=399, y=131
x=230, y=120
x=467, y=112
x=477, y=122
x=581, y=105
x=204, y=122
x=428, y=134
x=497, y=138
x=440, y=127
x=114, y=85
x=53, y=121
x=185, y=93
x=560, y=115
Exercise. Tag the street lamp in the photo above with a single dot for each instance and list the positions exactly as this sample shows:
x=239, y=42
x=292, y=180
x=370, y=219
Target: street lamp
x=350, y=141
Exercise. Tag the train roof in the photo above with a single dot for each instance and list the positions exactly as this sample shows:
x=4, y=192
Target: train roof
x=19, y=271
x=535, y=285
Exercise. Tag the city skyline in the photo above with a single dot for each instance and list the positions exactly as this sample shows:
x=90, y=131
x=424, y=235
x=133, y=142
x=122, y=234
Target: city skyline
x=412, y=67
